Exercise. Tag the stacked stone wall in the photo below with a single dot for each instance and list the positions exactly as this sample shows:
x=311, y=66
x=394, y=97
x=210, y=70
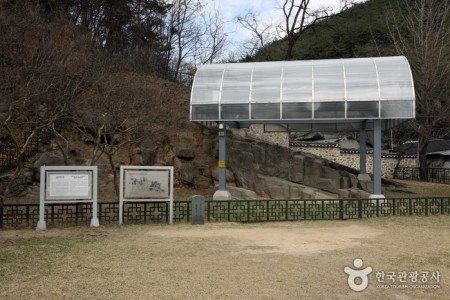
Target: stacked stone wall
x=350, y=158
x=330, y=151
x=257, y=132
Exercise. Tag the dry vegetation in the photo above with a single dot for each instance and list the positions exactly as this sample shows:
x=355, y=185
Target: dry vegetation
x=298, y=260
x=409, y=188
x=52, y=72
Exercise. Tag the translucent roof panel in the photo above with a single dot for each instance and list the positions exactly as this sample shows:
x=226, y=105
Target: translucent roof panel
x=301, y=91
x=264, y=86
x=297, y=82
x=361, y=80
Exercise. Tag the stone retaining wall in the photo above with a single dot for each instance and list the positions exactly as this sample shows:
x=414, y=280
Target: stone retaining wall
x=256, y=131
x=331, y=151
x=350, y=158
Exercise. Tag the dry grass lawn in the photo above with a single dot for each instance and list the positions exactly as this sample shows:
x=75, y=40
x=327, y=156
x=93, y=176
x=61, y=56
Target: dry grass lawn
x=290, y=260
x=410, y=188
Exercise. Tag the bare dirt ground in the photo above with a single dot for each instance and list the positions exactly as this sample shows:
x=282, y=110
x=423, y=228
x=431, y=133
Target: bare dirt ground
x=282, y=239
x=290, y=260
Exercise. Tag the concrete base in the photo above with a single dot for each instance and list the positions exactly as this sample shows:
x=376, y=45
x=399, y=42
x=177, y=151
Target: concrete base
x=382, y=199
x=95, y=222
x=222, y=195
x=364, y=177
x=41, y=225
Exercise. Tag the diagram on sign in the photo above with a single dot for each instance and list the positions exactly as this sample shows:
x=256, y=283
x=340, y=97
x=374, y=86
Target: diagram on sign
x=146, y=184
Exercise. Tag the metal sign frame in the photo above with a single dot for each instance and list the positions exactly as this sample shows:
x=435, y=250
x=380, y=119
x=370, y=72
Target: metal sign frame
x=149, y=184
x=68, y=184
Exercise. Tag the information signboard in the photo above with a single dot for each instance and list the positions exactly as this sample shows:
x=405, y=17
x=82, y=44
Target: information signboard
x=68, y=184
x=146, y=184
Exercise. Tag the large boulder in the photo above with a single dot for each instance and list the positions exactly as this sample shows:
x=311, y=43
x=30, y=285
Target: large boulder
x=48, y=159
x=229, y=174
x=242, y=194
x=203, y=182
x=291, y=172
x=185, y=153
x=276, y=188
x=186, y=171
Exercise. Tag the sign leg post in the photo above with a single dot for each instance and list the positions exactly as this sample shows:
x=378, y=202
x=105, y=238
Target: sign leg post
x=94, y=222
x=41, y=225
x=120, y=212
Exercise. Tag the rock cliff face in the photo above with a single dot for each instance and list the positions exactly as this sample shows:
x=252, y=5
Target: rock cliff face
x=279, y=173
x=255, y=169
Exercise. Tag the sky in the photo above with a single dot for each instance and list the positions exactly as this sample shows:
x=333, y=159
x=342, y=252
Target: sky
x=267, y=10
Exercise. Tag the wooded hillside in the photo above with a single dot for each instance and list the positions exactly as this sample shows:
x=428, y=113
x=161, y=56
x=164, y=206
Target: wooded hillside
x=360, y=31
x=53, y=72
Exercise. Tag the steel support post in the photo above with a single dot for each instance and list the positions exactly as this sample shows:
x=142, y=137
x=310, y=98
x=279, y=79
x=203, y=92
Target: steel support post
x=362, y=150
x=222, y=193
x=377, y=157
x=222, y=157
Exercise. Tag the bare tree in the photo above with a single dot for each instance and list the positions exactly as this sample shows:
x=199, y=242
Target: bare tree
x=421, y=32
x=185, y=31
x=298, y=17
x=111, y=113
x=261, y=32
x=43, y=69
x=214, y=40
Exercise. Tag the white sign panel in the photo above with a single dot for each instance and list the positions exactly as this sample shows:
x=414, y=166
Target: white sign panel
x=146, y=184
x=68, y=184
x=74, y=185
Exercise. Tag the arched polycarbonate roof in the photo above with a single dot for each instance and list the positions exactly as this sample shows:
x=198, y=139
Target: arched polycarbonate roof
x=304, y=91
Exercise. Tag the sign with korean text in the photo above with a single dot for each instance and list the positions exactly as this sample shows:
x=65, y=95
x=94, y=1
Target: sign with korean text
x=68, y=186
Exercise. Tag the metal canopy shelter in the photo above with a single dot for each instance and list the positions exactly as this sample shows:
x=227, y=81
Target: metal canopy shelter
x=355, y=94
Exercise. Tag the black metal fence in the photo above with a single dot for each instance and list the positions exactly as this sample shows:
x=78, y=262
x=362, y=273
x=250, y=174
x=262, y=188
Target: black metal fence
x=27, y=215
x=437, y=175
x=183, y=78
x=8, y=157
x=10, y=153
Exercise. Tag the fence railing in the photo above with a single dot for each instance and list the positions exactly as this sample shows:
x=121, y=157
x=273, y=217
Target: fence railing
x=27, y=215
x=10, y=153
x=437, y=175
x=183, y=78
